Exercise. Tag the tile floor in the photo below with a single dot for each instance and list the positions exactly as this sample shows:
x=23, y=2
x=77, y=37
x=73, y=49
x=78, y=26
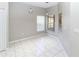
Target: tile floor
x=45, y=46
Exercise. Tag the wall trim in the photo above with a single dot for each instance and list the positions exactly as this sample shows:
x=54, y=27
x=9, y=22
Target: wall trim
x=34, y=36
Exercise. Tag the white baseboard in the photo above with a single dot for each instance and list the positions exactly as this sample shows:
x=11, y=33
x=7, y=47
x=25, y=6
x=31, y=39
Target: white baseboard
x=38, y=35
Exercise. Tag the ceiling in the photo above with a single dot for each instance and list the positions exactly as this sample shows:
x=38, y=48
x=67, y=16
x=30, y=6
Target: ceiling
x=42, y=4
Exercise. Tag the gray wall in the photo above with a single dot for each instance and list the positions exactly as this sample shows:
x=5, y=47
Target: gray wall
x=23, y=24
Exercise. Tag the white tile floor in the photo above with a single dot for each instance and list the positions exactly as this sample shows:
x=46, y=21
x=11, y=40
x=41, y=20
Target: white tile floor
x=44, y=46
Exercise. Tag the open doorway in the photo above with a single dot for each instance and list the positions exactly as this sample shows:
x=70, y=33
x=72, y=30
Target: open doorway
x=51, y=23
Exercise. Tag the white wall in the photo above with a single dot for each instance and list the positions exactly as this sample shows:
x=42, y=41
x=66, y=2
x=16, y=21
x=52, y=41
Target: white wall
x=65, y=34
x=23, y=24
x=3, y=25
x=75, y=28
x=70, y=34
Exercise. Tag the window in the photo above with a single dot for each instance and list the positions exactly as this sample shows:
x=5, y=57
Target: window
x=51, y=23
x=40, y=23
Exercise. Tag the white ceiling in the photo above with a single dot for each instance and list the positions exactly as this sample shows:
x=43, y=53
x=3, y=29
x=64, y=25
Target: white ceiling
x=42, y=4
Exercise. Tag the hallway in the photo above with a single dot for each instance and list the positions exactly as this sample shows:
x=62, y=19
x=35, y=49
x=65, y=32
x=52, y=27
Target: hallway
x=23, y=23
x=39, y=46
